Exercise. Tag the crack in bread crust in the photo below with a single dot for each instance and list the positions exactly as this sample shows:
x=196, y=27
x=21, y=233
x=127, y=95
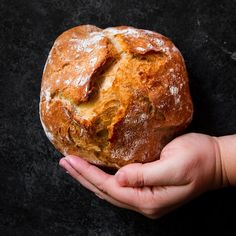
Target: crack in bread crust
x=114, y=96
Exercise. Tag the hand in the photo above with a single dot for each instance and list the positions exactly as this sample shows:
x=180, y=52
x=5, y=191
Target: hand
x=188, y=166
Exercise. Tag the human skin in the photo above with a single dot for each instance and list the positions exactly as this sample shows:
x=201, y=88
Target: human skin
x=189, y=165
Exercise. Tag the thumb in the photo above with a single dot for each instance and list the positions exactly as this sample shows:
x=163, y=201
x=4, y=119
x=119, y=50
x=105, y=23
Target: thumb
x=158, y=173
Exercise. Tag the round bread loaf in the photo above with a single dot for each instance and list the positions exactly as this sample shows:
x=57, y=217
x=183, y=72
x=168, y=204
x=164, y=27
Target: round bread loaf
x=114, y=96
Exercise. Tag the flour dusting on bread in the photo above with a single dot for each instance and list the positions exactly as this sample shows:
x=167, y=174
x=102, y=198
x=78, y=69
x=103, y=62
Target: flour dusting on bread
x=114, y=96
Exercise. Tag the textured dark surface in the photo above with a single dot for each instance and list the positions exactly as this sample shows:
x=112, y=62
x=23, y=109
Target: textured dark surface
x=36, y=196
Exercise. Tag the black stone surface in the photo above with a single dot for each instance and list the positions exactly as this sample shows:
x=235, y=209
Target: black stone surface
x=36, y=196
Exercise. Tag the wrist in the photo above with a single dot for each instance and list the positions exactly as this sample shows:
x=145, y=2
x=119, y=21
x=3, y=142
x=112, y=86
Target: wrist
x=226, y=146
x=220, y=173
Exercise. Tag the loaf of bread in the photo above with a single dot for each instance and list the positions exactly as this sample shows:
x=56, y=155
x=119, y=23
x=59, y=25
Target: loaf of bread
x=114, y=96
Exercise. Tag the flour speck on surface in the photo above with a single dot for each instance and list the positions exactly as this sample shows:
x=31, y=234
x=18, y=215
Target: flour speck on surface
x=174, y=90
x=87, y=44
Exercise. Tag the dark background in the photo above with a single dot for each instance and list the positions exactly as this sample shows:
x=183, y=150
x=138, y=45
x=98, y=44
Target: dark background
x=36, y=196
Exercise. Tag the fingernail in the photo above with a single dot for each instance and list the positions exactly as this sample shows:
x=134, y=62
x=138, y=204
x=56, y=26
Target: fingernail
x=121, y=178
x=63, y=164
x=75, y=161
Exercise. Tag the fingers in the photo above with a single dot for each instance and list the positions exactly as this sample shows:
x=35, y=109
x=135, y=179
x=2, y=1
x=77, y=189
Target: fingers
x=93, y=174
x=150, y=201
x=164, y=172
x=105, y=183
x=90, y=186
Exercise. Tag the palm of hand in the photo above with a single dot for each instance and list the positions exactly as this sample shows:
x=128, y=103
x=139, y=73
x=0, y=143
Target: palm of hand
x=188, y=166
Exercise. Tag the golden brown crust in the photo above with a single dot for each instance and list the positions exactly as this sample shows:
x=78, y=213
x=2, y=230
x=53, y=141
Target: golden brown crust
x=114, y=96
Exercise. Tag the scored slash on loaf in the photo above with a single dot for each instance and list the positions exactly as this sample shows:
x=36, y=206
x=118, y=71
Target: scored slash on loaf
x=114, y=96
